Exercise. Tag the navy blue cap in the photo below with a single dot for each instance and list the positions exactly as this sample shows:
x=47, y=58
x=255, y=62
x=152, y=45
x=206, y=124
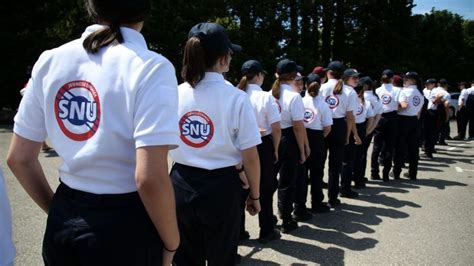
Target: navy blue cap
x=252, y=67
x=313, y=78
x=337, y=66
x=213, y=37
x=388, y=73
x=431, y=81
x=286, y=66
x=351, y=72
x=443, y=82
x=365, y=80
x=411, y=75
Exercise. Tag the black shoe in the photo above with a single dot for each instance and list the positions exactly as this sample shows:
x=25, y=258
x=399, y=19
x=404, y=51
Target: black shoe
x=385, y=178
x=274, y=220
x=325, y=185
x=375, y=177
x=334, y=203
x=443, y=143
x=359, y=185
x=302, y=215
x=320, y=208
x=238, y=259
x=395, y=175
x=429, y=155
x=288, y=226
x=435, y=151
x=272, y=235
x=458, y=138
x=366, y=180
x=245, y=235
x=349, y=193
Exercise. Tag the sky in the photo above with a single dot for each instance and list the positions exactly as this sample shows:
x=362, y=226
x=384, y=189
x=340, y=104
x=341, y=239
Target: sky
x=464, y=8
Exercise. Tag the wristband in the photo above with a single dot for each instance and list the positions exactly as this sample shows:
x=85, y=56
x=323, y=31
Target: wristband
x=250, y=197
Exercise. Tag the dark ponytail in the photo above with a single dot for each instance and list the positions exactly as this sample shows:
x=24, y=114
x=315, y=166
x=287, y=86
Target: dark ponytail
x=114, y=13
x=194, y=62
x=313, y=89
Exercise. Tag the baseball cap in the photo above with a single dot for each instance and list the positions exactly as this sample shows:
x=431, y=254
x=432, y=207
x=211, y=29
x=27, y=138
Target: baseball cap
x=252, y=67
x=412, y=75
x=351, y=72
x=286, y=66
x=319, y=70
x=365, y=80
x=337, y=66
x=431, y=81
x=299, y=76
x=313, y=78
x=443, y=82
x=213, y=37
x=388, y=73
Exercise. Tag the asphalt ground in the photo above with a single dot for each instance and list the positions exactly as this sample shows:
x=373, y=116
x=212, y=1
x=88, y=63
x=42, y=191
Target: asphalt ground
x=429, y=221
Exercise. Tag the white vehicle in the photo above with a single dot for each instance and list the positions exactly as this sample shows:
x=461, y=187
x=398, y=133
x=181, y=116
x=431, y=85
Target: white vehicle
x=453, y=104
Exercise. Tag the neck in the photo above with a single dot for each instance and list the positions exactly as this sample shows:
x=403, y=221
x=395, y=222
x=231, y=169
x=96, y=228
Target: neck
x=138, y=26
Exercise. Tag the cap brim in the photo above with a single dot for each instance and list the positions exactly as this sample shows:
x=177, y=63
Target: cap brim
x=265, y=72
x=235, y=48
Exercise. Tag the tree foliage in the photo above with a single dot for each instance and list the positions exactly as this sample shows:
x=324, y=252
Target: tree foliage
x=369, y=35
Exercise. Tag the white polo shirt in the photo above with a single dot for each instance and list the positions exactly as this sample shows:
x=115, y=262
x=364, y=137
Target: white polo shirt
x=426, y=93
x=388, y=95
x=98, y=108
x=464, y=94
x=317, y=114
x=7, y=249
x=363, y=111
x=291, y=106
x=216, y=121
x=339, y=104
x=264, y=106
x=413, y=98
x=434, y=94
x=375, y=103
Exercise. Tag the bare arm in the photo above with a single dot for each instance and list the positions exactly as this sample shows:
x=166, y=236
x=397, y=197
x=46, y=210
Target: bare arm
x=374, y=124
x=370, y=124
x=276, y=136
x=23, y=161
x=251, y=163
x=351, y=127
x=156, y=191
x=326, y=131
x=301, y=140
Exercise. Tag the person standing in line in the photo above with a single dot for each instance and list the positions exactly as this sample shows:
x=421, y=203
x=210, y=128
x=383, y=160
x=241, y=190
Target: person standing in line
x=321, y=72
x=342, y=101
x=318, y=121
x=468, y=99
x=386, y=131
x=268, y=119
x=294, y=148
x=428, y=118
x=461, y=115
x=7, y=248
x=438, y=102
x=364, y=118
x=376, y=105
x=411, y=102
x=444, y=123
x=108, y=105
x=218, y=131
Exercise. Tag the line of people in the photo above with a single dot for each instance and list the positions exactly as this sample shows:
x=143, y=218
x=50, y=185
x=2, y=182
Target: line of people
x=113, y=110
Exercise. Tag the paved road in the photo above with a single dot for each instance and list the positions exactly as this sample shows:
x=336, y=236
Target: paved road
x=428, y=221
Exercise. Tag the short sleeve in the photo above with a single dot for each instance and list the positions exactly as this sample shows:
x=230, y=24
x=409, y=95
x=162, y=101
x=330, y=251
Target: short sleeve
x=326, y=114
x=353, y=102
x=403, y=97
x=30, y=119
x=248, y=134
x=447, y=96
x=155, y=115
x=297, y=108
x=273, y=114
x=370, y=111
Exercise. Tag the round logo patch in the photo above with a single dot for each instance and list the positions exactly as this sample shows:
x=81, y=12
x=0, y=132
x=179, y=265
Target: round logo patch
x=360, y=110
x=332, y=101
x=196, y=129
x=416, y=100
x=309, y=115
x=77, y=110
x=386, y=99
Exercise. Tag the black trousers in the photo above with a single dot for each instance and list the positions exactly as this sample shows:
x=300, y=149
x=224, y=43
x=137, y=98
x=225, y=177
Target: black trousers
x=407, y=145
x=384, y=137
x=353, y=160
x=430, y=130
x=301, y=189
x=90, y=229
x=444, y=131
x=288, y=169
x=462, y=120
x=268, y=185
x=208, y=206
x=315, y=165
x=470, y=121
x=335, y=143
